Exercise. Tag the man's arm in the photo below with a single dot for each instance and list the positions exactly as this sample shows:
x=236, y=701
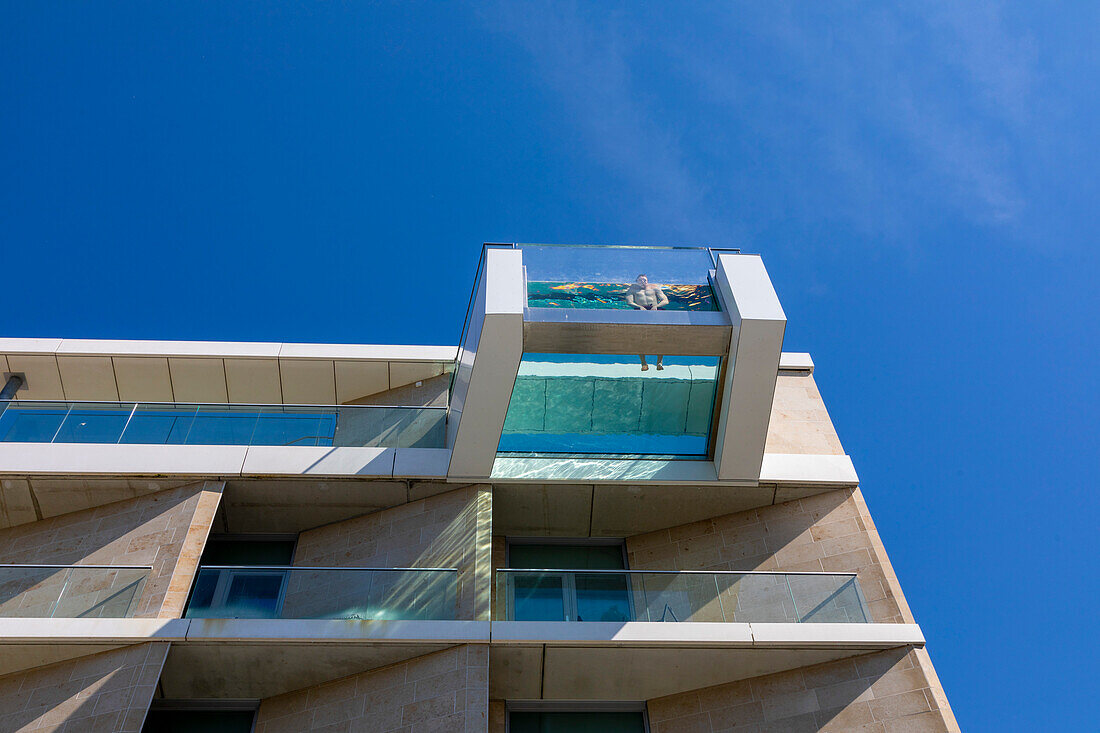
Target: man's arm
x=630, y=299
x=662, y=299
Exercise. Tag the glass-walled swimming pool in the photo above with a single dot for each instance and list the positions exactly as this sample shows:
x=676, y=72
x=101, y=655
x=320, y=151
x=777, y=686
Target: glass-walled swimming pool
x=606, y=277
x=652, y=406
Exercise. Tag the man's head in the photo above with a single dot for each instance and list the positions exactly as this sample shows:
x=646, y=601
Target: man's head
x=642, y=280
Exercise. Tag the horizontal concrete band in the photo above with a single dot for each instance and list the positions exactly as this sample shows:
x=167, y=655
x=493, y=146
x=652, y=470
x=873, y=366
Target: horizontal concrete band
x=225, y=349
x=790, y=361
x=777, y=468
x=595, y=634
x=94, y=459
x=695, y=634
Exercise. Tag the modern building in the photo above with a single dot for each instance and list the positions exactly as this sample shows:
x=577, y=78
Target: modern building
x=537, y=530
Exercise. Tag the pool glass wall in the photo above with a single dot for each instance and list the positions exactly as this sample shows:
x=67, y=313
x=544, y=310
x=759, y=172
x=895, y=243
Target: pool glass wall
x=609, y=405
x=600, y=277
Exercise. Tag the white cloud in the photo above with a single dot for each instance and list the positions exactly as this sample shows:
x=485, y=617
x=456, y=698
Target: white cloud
x=877, y=115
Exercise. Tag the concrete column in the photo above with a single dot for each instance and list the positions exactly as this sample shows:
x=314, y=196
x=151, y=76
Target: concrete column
x=752, y=367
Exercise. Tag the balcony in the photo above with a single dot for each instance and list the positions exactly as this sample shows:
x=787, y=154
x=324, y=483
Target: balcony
x=360, y=594
x=555, y=633
x=167, y=423
x=70, y=591
x=678, y=596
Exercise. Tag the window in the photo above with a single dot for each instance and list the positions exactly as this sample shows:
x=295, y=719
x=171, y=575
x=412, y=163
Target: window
x=547, y=595
x=241, y=576
x=200, y=716
x=620, y=718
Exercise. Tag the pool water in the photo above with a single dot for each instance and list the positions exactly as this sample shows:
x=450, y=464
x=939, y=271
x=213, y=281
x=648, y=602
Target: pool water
x=612, y=296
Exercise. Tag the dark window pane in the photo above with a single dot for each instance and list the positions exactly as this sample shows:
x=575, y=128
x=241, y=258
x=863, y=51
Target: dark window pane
x=248, y=552
x=538, y=598
x=254, y=595
x=603, y=597
x=538, y=722
x=198, y=721
x=566, y=557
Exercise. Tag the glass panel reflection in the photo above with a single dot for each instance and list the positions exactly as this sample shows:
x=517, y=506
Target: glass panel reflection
x=332, y=593
x=539, y=598
x=618, y=278
x=624, y=405
x=147, y=423
x=53, y=591
x=631, y=595
x=25, y=421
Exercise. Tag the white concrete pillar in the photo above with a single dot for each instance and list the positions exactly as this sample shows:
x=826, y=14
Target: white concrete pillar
x=752, y=367
x=488, y=362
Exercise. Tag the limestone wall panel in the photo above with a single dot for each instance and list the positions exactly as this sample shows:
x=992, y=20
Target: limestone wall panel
x=445, y=691
x=110, y=691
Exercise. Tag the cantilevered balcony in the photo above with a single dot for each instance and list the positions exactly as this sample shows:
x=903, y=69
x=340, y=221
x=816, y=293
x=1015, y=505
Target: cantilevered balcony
x=621, y=635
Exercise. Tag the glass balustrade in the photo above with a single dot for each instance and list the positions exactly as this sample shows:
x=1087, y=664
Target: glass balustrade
x=628, y=595
x=324, y=593
x=70, y=591
x=151, y=423
x=608, y=277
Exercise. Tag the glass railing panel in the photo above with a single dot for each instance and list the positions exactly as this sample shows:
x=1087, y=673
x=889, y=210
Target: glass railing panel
x=290, y=425
x=47, y=591
x=612, y=405
x=393, y=427
x=154, y=423
x=101, y=593
x=618, y=278
x=682, y=596
x=714, y=597
x=30, y=421
x=30, y=592
x=828, y=599
x=94, y=422
x=149, y=423
x=324, y=593
x=223, y=425
x=538, y=597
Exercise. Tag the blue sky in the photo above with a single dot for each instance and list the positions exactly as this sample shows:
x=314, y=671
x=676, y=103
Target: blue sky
x=921, y=181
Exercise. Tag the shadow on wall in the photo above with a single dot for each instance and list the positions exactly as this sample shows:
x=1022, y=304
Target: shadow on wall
x=148, y=531
x=827, y=532
x=119, y=683
x=887, y=687
x=448, y=530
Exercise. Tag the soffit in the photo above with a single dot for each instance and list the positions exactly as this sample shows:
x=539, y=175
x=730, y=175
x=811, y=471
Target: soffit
x=218, y=372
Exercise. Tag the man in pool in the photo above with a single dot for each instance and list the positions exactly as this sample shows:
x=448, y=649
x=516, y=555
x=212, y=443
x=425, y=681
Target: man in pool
x=646, y=297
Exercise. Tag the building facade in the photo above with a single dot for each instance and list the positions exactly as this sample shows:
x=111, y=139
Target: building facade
x=540, y=529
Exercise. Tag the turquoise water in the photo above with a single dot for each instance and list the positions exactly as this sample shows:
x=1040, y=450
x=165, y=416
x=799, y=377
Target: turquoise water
x=606, y=405
x=612, y=296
